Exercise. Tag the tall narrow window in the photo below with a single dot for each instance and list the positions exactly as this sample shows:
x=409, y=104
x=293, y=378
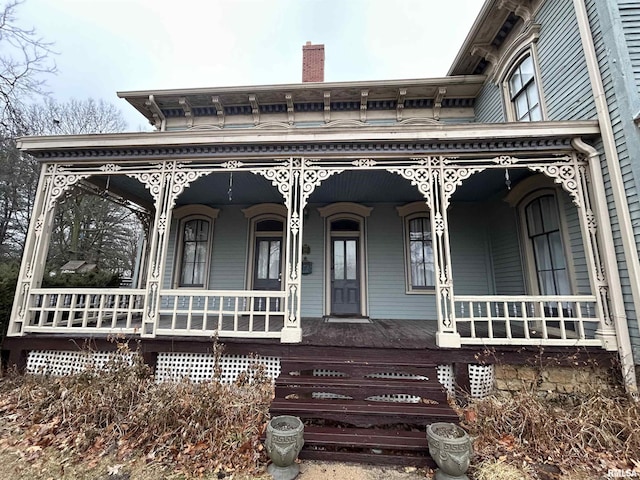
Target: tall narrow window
x=195, y=245
x=545, y=237
x=524, y=92
x=422, y=271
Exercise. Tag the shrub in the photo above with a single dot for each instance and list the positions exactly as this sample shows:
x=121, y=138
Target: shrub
x=8, y=280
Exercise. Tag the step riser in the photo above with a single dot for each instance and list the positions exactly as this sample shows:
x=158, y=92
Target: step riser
x=358, y=393
x=359, y=370
x=370, y=458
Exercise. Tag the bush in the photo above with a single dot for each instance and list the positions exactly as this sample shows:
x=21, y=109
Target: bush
x=8, y=280
x=120, y=408
x=77, y=280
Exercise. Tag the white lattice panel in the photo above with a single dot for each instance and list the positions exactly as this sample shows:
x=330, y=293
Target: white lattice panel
x=58, y=363
x=446, y=378
x=481, y=378
x=199, y=367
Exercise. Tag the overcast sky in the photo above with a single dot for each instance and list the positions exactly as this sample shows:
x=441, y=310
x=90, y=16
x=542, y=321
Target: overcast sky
x=117, y=45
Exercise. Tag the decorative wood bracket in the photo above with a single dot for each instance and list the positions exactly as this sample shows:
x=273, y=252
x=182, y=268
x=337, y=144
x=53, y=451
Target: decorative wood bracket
x=489, y=53
x=219, y=110
x=327, y=107
x=290, y=109
x=364, y=94
x=186, y=106
x=158, y=116
x=255, y=109
x=437, y=103
x=402, y=93
x=521, y=8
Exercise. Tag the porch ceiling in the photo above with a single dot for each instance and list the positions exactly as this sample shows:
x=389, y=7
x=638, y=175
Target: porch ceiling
x=242, y=188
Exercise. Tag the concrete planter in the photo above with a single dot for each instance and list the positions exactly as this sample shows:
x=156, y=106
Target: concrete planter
x=284, y=440
x=450, y=448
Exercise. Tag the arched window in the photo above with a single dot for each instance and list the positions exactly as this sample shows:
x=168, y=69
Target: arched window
x=418, y=247
x=195, y=249
x=522, y=88
x=194, y=241
x=544, y=235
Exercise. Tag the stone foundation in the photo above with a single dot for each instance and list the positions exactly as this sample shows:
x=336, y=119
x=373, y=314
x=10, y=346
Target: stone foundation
x=554, y=380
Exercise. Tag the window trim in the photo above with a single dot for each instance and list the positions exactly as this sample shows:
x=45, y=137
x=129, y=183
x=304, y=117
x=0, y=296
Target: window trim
x=183, y=215
x=531, y=273
x=410, y=212
x=523, y=46
x=256, y=214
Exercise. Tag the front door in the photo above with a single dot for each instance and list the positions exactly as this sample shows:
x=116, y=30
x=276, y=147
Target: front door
x=267, y=271
x=345, y=276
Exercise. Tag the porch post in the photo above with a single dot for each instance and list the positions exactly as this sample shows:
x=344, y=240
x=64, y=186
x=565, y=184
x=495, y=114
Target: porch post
x=294, y=201
x=35, y=252
x=54, y=181
x=159, y=184
x=617, y=326
x=447, y=335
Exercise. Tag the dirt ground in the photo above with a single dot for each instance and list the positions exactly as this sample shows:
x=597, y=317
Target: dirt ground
x=313, y=470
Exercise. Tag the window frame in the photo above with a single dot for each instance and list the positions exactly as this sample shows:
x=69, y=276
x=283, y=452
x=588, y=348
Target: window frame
x=531, y=267
x=408, y=213
x=531, y=84
x=184, y=215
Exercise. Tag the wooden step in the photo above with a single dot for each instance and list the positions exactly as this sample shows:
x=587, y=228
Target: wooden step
x=358, y=388
x=359, y=368
x=395, y=447
x=364, y=413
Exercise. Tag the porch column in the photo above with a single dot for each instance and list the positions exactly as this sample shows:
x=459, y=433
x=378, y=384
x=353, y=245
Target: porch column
x=159, y=184
x=54, y=181
x=447, y=335
x=615, y=326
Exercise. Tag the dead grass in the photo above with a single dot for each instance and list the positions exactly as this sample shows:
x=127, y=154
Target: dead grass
x=591, y=434
x=121, y=413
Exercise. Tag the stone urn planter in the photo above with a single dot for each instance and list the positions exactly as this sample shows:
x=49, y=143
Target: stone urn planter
x=450, y=448
x=284, y=440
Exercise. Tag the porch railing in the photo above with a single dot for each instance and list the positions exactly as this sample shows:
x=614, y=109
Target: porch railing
x=527, y=320
x=229, y=313
x=86, y=310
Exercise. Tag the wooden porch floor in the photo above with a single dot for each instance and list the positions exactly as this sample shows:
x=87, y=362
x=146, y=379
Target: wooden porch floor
x=404, y=334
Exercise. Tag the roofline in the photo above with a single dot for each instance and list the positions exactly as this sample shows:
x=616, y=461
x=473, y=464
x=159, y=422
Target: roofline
x=466, y=45
x=404, y=133
x=438, y=81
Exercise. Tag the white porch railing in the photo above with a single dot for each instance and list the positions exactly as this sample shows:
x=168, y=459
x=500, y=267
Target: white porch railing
x=527, y=320
x=85, y=310
x=229, y=313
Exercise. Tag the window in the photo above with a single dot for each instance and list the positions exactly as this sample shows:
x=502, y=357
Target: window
x=418, y=247
x=194, y=238
x=195, y=247
x=545, y=240
x=523, y=92
x=421, y=266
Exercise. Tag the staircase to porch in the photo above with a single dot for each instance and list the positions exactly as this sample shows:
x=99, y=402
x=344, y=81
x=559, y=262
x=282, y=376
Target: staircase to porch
x=369, y=409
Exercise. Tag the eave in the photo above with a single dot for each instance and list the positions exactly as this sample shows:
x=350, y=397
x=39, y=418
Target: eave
x=153, y=104
x=310, y=141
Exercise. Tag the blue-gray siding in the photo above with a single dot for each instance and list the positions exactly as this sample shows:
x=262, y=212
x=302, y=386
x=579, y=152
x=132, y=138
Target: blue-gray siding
x=614, y=26
x=565, y=80
x=488, y=104
x=505, y=248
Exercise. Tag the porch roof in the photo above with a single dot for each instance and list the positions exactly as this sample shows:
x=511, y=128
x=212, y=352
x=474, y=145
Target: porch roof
x=275, y=142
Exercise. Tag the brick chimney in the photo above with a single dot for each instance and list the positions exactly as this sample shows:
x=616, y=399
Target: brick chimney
x=312, y=63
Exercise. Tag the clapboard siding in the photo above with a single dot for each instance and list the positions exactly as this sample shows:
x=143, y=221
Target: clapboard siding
x=313, y=284
x=488, y=104
x=629, y=11
x=170, y=263
x=561, y=57
x=386, y=270
x=577, y=260
x=229, y=258
x=470, y=257
x=505, y=249
x=614, y=26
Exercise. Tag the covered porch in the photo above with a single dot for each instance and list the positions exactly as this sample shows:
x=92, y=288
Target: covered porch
x=466, y=274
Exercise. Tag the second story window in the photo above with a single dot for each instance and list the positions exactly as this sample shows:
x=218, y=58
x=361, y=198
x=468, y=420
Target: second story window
x=523, y=92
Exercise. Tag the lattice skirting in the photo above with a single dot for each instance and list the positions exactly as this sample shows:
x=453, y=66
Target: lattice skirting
x=481, y=380
x=199, y=367
x=58, y=363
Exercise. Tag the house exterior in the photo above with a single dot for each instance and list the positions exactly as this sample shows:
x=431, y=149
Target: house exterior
x=496, y=205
